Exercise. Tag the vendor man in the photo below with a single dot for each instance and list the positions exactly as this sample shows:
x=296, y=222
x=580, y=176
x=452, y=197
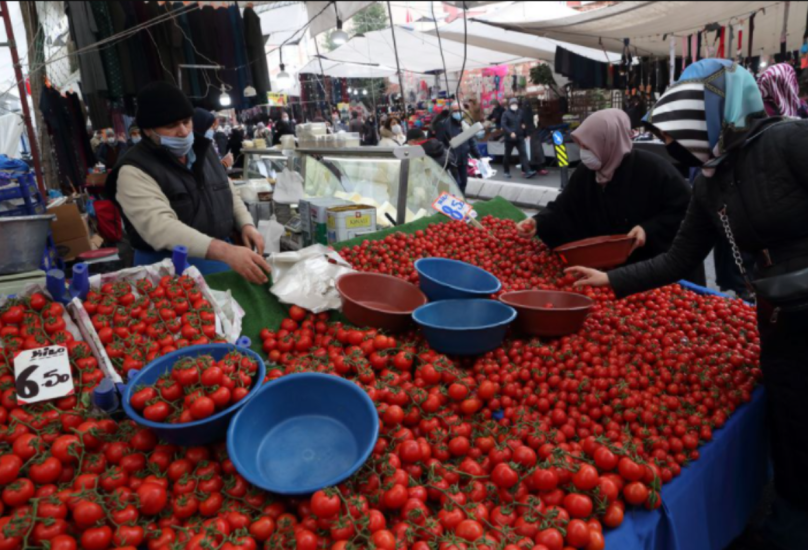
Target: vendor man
x=173, y=191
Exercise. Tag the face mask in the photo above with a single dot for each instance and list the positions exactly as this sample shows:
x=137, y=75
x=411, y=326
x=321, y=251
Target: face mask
x=285, y=119
x=396, y=129
x=111, y=141
x=480, y=135
x=136, y=139
x=589, y=160
x=179, y=146
x=209, y=133
x=457, y=115
x=682, y=155
x=514, y=107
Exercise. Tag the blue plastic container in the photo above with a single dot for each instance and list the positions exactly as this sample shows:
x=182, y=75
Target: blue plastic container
x=464, y=327
x=303, y=432
x=442, y=279
x=200, y=432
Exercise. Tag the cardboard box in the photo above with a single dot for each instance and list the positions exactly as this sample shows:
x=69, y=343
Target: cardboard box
x=69, y=224
x=69, y=250
x=349, y=222
x=314, y=218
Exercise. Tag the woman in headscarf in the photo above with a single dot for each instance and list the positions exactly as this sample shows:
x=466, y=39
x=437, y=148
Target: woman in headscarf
x=615, y=190
x=752, y=192
x=205, y=125
x=781, y=91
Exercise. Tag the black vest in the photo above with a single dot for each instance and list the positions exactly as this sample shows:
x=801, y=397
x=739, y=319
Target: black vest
x=201, y=197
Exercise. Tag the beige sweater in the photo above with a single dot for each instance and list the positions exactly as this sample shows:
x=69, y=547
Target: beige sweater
x=148, y=209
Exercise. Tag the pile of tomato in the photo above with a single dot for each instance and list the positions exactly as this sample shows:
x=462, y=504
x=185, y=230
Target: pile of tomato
x=541, y=444
x=196, y=388
x=138, y=323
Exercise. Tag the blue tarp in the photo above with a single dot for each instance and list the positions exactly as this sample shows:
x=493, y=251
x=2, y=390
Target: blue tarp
x=709, y=504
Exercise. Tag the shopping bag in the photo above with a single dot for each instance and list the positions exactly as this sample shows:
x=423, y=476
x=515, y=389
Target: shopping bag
x=288, y=187
x=307, y=278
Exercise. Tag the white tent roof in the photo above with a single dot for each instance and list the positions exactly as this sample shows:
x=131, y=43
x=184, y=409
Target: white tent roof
x=515, y=43
x=647, y=23
x=530, y=11
x=418, y=52
x=340, y=69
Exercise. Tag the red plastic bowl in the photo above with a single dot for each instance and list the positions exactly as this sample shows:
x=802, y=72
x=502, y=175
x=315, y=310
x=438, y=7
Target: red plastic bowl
x=597, y=252
x=548, y=312
x=380, y=301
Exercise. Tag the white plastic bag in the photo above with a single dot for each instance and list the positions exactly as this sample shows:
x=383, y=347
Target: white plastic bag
x=485, y=168
x=307, y=278
x=272, y=231
x=288, y=187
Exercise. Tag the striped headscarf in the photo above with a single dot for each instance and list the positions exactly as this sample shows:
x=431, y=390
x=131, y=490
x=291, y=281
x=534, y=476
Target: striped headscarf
x=712, y=101
x=780, y=90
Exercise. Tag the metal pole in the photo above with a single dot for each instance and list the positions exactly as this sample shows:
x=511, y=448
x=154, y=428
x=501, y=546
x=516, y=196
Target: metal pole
x=398, y=65
x=401, y=200
x=12, y=46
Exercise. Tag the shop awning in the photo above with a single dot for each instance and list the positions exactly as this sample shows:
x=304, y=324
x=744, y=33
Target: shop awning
x=417, y=52
x=515, y=43
x=340, y=69
x=646, y=24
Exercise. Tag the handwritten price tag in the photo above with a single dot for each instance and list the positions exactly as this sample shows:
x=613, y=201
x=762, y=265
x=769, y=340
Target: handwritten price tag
x=42, y=374
x=452, y=207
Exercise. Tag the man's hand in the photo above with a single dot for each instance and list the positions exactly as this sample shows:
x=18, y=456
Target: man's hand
x=526, y=229
x=253, y=239
x=513, y=135
x=589, y=277
x=227, y=160
x=638, y=234
x=242, y=260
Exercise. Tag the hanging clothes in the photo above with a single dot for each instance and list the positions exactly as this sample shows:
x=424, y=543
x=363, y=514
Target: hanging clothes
x=242, y=67
x=256, y=56
x=190, y=77
x=109, y=56
x=68, y=137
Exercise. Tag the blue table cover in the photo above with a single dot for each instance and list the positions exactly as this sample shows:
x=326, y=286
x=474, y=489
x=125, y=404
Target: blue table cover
x=709, y=504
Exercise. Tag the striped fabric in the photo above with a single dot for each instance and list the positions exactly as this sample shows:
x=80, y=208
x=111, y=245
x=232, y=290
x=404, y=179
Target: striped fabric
x=680, y=113
x=779, y=88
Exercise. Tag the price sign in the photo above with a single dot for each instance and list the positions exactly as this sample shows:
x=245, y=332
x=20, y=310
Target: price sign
x=42, y=374
x=451, y=206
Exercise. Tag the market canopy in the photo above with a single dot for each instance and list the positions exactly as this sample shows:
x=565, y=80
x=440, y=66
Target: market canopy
x=340, y=69
x=515, y=43
x=417, y=52
x=649, y=25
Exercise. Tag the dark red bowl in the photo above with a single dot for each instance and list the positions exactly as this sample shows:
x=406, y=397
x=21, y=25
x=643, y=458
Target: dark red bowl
x=597, y=252
x=548, y=312
x=380, y=301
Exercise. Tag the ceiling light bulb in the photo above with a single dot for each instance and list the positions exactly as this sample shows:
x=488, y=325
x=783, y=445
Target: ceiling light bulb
x=283, y=79
x=339, y=37
x=224, y=99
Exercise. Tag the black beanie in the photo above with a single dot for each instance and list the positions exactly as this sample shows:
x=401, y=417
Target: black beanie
x=160, y=104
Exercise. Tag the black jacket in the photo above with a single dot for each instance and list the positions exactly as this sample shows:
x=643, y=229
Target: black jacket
x=512, y=124
x=646, y=190
x=767, y=208
x=496, y=115
x=201, y=196
x=446, y=130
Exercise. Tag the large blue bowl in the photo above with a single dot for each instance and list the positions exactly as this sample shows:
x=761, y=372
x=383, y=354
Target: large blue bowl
x=442, y=279
x=199, y=432
x=303, y=432
x=464, y=327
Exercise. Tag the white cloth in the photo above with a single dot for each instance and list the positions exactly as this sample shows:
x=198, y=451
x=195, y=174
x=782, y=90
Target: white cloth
x=11, y=128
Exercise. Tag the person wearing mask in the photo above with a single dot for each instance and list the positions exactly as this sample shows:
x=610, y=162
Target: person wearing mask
x=337, y=124
x=514, y=128
x=96, y=140
x=205, y=123
x=370, y=134
x=752, y=192
x=496, y=114
x=446, y=128
x=221, y=138
x=357, y=124
x=262, y=132
x=284, y=127
x=111, y=149
x=617, y=191
x=172, y=190
x=134, y=136
x=781, y=92
x=531, y=131
x=392, y=133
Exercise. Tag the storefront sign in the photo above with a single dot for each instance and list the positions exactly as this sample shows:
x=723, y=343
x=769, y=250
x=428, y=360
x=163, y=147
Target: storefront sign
x=277, y=100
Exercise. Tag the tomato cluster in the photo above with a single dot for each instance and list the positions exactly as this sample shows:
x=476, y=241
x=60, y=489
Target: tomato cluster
x=35, y=322
x=196, y=388
x=139, y=323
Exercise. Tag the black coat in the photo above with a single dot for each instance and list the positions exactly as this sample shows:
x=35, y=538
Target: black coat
x=255, y=52
x=767, y=209
x=448, y=129
x=646, y=190
x=512, y=124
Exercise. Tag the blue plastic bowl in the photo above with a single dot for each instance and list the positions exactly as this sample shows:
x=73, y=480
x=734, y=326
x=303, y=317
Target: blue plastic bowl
x=200, y=432
x=442, y=279
x=464, y=327
x=303, y=432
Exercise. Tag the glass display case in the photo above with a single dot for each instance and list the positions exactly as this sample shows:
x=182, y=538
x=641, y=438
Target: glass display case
x=402, y=183
x=267, y=163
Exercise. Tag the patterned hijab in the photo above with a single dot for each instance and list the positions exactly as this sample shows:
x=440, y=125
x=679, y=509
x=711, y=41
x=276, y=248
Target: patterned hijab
x=607, y=134
x=714, y=101
x=780, y=90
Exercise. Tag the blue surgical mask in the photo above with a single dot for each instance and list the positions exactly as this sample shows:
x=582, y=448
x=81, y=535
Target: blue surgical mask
x=480, y=135
x=209, y=133
x=136, y=139
x=457, y=115
x=179, y=146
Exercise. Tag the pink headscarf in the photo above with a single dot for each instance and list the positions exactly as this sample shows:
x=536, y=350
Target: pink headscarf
x=607, y=134
x=780, y=90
